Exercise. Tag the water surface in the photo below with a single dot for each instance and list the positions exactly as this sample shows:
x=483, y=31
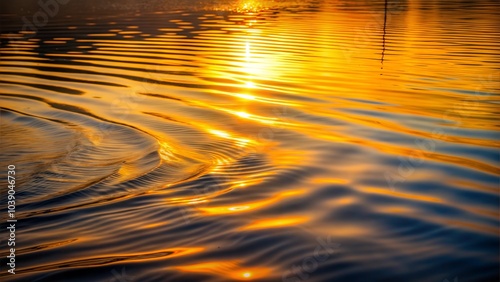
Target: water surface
x=254, y=141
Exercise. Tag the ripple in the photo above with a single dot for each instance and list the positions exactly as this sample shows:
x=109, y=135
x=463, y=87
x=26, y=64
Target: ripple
x=229, y=140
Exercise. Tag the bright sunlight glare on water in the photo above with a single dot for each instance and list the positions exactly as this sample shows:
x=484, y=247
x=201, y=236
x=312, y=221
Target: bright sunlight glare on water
x=221, y=140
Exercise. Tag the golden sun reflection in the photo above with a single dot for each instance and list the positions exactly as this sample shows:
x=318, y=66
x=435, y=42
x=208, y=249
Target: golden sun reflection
x=250, y=206
x=250, y=84
x=247, y=274
x=219, y=133
x=241, y=142
x=245, y=96
x=243, y=114
x=250, y=68
x=248, y=50
x=275, y=223
x=414, y=197
x=166, y=152
x=250, y=6
x=230, y=270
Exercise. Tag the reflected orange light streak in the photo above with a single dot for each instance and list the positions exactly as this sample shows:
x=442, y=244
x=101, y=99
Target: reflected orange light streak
x=275, y=223
x=260, y=119
x=250, y=206
x=329, y=181
x=152, y=225
x=230, y=270
x=245, y=96
x=166, y=152
x=403, y=195
x=239, y=141
x=243, y=114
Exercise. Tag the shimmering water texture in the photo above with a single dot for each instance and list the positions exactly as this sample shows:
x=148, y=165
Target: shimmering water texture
x=253, y=141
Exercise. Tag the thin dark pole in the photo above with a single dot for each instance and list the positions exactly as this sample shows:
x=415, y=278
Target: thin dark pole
x=383, y=36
